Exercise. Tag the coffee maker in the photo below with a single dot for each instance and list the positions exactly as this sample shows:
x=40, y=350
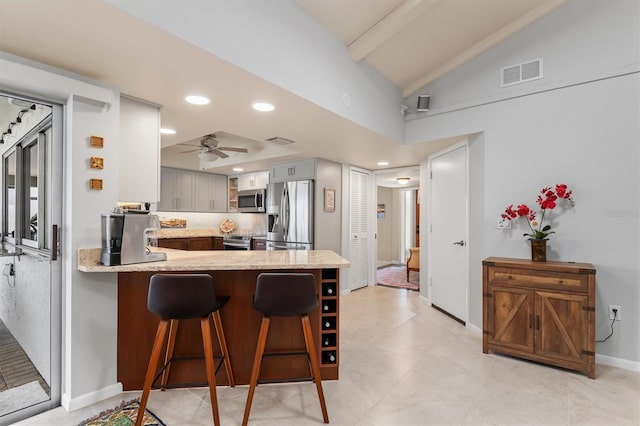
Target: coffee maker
x=125, y=238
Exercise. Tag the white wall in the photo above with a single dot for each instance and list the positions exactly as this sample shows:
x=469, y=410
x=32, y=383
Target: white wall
x=279, y=42
x=386, y=225
x=327, y=224
x=89, y=300
x=580, y=132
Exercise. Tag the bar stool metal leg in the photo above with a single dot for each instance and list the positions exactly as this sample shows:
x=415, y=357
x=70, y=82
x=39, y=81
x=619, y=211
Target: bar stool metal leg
x=205, y=326
x=315, y=367
x=161, y=333
x=257, y=361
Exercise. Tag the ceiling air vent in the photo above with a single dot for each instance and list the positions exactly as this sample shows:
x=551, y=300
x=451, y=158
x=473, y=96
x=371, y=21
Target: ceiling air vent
x=280, y=141
x=520, y=73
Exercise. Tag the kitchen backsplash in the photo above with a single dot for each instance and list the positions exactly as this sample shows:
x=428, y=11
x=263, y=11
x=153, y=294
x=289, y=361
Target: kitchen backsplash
x=245, y=223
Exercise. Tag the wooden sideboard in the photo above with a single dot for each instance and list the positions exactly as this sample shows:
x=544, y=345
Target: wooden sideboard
x=541, y=311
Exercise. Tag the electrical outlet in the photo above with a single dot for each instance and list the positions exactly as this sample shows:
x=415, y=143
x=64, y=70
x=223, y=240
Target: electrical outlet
x=617, y=315
x=504, y=223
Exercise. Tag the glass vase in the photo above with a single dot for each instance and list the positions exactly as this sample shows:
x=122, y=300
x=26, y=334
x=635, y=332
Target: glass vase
x=538, y=250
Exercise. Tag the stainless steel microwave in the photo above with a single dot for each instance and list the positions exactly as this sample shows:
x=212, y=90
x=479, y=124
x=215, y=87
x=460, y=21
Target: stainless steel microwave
x=252, y=201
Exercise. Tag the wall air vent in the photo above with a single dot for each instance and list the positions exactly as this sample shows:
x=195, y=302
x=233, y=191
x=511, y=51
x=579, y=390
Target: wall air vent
x=520, y=73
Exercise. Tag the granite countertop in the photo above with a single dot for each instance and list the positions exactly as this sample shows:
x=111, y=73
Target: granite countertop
x=212, y=260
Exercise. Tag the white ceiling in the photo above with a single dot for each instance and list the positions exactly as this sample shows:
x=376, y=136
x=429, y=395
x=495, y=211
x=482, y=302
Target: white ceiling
x=410, y=42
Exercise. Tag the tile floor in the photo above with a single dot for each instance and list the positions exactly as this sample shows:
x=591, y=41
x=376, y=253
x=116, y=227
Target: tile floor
x=404, y=363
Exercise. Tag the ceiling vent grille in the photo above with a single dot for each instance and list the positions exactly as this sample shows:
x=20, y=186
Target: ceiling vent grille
x=520, y=73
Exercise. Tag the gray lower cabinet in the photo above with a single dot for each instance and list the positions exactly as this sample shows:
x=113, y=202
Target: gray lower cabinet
x=210, y=193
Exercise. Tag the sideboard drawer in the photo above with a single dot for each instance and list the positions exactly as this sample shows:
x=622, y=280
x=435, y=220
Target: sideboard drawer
x=539, y=279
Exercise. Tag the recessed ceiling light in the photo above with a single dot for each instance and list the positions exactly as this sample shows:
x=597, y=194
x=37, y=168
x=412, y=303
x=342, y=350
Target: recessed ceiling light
x=238, y=169
x=263, y=106
x=383, y=163
x=166, y=131
x=197, y=100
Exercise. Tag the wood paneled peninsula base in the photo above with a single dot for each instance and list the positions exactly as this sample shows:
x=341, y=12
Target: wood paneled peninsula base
x=542, y=311
x=234, y=274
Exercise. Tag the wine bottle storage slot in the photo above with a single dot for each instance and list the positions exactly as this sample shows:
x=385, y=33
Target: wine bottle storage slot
x=329, y=289
x=329, y=274
x=329, y=357
x=329, y=323
x=328, y=340
x=328, y=306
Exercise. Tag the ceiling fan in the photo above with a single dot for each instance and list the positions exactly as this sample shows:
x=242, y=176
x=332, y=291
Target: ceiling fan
x=209, y=145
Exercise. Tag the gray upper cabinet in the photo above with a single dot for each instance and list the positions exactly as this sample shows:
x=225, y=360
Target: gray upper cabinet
x=255, y=180
x=176, y=190
x=294, y=170
x=210, y=193
x=189, y=191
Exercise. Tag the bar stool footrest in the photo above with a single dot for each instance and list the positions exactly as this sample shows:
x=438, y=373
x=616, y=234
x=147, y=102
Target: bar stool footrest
x=292, y=380
x=220, y=358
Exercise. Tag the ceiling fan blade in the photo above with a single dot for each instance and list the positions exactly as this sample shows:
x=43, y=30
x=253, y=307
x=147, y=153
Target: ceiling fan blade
x=191, y=150
x=186, y=144
x=219, y=153
x=228, y=148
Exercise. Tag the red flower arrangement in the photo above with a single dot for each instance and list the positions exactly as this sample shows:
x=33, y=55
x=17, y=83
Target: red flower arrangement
x=548, y=199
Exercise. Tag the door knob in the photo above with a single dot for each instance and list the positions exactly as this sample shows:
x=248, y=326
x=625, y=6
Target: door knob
x=459, y=243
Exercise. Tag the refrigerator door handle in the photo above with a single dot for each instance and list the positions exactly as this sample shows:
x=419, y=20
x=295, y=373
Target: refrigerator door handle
x=284, y=211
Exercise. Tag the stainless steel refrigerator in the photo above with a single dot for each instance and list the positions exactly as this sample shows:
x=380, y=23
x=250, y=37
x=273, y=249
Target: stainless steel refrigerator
x=290, y=215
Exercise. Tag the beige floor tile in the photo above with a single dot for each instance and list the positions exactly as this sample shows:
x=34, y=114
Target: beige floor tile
x=404, y=363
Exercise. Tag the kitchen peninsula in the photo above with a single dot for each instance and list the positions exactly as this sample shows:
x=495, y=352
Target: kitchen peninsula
x=234, y=274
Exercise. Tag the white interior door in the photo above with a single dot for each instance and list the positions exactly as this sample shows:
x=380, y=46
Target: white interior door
x=448, y=232
x=359, y=229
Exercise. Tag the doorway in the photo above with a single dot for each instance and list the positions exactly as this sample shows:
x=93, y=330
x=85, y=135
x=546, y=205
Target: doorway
x=30, y=282
x=448, y=231
x=397, y=232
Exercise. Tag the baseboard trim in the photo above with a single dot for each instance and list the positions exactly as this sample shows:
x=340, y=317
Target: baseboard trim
x=72, y=404
x=474, y=329
x=618, y=362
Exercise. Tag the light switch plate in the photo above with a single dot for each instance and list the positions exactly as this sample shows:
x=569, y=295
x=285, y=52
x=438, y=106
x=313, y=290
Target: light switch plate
x=504, y=223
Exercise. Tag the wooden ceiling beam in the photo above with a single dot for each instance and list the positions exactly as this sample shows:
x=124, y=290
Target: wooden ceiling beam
x=388, y=26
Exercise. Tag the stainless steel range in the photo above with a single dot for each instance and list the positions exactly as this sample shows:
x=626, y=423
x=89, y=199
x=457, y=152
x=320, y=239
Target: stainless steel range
x=237, y=242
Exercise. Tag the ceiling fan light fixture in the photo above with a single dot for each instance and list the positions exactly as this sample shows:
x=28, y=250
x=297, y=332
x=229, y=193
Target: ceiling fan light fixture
x=207, y=156
x=263, y=106
x=197, y=100
x=403, y=180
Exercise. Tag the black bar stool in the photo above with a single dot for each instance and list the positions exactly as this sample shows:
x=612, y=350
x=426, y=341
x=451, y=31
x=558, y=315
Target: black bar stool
x=285, y=295
x=175, y=297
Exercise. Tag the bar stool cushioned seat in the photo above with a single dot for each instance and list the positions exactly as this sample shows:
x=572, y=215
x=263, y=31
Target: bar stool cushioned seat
x=285, y=295
x=175, y=297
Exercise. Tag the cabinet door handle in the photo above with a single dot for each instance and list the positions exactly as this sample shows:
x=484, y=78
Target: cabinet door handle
x=537, y=322
x=530, y=321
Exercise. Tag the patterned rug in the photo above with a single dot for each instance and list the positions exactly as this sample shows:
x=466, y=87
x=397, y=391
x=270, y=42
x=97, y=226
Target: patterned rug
x=123, y=415
x=396, y=276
